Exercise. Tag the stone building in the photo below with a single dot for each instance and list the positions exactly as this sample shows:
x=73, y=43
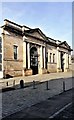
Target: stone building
x=27, y=51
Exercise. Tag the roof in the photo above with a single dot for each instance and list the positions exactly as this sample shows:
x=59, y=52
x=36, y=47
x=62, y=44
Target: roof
x=22, y=30
x=15, y=23
x=66, y=44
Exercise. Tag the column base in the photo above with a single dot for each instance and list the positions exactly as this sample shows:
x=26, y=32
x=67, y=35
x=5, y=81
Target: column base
x=59, y=70
x=67, y=70
x=42, y=71
x=27, y=72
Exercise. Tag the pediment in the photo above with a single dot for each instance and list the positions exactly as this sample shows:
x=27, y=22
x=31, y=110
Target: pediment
x=37, y=33
x=7, y=32
x=65, y=45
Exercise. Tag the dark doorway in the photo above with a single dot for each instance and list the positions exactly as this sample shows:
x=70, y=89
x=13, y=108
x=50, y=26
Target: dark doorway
x=62, y=61
x=34, y=60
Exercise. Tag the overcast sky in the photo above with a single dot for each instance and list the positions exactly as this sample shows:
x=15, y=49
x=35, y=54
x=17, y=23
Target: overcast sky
x=53, y=18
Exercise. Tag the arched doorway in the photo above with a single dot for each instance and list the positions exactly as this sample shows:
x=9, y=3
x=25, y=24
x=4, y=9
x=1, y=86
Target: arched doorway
x=34, y=60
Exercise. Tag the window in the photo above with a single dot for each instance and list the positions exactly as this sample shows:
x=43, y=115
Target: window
x=0, y=67
x=50, y=57
x=0, y=45
x=0, y=39
x=53, y=58
x=15, y=52
x=0, y=58
x=0, y=62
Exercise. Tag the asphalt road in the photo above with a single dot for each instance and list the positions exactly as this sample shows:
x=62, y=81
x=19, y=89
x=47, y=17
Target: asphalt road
x=67, y=113
x=60, y=106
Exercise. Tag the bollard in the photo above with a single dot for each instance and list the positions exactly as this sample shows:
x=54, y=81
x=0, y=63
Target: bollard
x=33, y=84
x=63, y=86
x=21, y=84
x=13, y=83
x=7, y=83
x=47, y=88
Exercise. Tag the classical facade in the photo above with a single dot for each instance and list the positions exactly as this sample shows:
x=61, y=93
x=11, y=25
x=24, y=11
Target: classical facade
x=27, y=51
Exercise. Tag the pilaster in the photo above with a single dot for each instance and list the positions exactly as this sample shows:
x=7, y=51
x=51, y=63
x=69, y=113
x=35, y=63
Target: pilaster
x=24, y=54
x=28, y=52
x=58, y=60
x=44, y=56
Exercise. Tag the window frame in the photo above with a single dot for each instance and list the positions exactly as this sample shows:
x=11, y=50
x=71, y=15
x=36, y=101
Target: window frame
x=15, y=53
x=1, y=58
x=50, y=57
x=53, y=57
x=0, y=47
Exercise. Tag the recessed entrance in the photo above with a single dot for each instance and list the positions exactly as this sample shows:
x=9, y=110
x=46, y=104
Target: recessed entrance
x=34, y=60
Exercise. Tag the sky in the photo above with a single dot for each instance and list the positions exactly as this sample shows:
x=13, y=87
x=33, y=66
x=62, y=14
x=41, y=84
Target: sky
x=53, y=18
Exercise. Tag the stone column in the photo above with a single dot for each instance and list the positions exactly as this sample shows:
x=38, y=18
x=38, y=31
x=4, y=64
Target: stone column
x=41, y=61
x=44, y=56
x=69, y=59
x=58, y=60
x=28, y=52
x=66, y=60
x=48, y=56
x=24, y=54
x=38, y=60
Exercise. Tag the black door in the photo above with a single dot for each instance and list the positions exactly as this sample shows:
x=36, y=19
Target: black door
x=34, y=60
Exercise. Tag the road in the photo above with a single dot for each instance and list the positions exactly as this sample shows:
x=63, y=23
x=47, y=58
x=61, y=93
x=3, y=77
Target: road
x=66, y=113
x=59, y=106
x=18, y=99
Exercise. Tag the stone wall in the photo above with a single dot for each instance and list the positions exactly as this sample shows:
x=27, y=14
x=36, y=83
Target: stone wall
x=52, y=67
x=11, y=66
x=71, y=67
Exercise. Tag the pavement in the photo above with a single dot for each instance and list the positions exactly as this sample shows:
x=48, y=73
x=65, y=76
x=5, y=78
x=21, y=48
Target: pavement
x=18, y=99
x=29, y=79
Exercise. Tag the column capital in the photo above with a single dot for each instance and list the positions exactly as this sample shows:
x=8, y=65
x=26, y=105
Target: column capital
x=24, y=38
x=57, y=48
